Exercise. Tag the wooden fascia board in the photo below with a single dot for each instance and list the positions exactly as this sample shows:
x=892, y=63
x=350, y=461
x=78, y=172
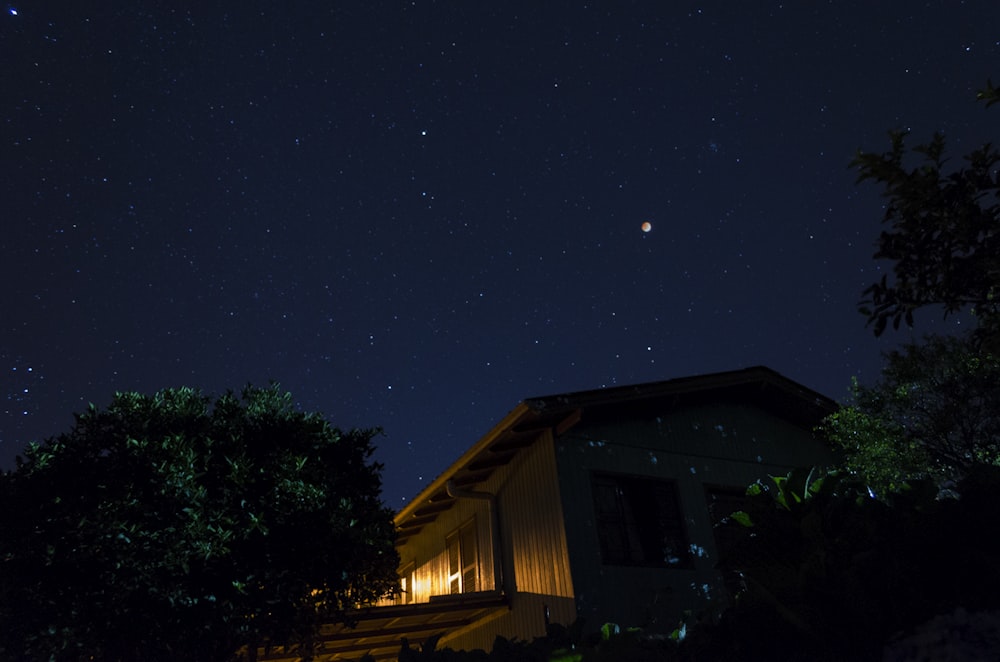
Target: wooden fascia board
x=680, y=386
x=429, y=627
x=440, y=483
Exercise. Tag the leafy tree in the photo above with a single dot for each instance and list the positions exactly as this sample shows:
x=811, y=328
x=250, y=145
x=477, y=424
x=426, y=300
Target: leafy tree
x=989, y=94
x=874, y=448
x=828, y=572
x=935, y=413
x=943, y=230
x=832, y=574
x=172, y=527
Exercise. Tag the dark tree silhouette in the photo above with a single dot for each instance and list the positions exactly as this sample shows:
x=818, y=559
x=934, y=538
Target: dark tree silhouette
x=172, y=527
x=943, y=230
x=832, y=574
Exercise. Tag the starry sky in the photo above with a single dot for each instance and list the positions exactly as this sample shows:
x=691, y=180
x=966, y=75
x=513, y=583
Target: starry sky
x=414, y=214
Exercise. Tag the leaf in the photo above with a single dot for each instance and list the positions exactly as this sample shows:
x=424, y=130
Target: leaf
x=743, y=518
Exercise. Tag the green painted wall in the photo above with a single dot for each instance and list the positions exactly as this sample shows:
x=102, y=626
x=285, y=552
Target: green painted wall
x=697, y=447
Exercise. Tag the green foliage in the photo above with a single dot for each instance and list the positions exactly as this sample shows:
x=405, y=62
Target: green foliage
x=826, y=571
x=934, y=414
x=831, y=574
x=170, y=526
x=989, y=94
x=943, y=230
x=876, y=449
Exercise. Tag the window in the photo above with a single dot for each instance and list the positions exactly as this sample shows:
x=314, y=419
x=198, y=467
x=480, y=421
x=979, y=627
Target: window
x=463, y=565
x=723, y=502
x=639, y=521
x=406, y=585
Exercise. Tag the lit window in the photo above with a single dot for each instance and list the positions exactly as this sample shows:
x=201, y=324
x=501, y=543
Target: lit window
x=463, y=566
x=406, y=585
x=639, y=521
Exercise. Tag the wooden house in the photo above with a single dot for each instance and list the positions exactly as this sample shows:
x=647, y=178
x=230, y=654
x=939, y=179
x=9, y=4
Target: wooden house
x=596, y=505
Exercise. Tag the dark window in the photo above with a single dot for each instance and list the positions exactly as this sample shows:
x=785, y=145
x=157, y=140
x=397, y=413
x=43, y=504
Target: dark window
x=722, y=503
x=639, y=521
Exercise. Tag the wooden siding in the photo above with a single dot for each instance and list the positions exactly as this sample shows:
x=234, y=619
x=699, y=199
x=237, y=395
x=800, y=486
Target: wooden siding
x=537, y=569
x=429, y=555
x=698, y=447
x=534, y=552
x=525, y=620
x=531, y=518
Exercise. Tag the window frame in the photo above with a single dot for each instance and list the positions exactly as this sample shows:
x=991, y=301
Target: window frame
x=462, y=559
x=719, y=499
x=622, y=503
x=406, y=577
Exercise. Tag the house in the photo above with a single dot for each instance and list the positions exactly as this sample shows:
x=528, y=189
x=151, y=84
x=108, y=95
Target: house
x=596, y=505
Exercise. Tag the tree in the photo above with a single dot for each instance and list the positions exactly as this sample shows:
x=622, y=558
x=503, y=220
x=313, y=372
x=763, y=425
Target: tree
x=172, y=527
x=829, y=572
x=935, y=414
x=943, y=232
x=832, y=574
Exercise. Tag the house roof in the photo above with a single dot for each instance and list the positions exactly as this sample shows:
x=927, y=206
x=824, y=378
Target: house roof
x=758, y=385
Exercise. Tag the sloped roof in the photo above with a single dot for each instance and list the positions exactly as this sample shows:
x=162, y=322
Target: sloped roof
x=758, y=385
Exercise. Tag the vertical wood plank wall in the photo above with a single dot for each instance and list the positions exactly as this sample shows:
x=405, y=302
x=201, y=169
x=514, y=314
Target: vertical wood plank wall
x=531, y=518
x=429, y=555
x=696, y=447
x=536, y=560
x=530, y=512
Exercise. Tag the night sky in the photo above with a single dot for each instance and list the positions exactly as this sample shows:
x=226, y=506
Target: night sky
x=414, y=215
